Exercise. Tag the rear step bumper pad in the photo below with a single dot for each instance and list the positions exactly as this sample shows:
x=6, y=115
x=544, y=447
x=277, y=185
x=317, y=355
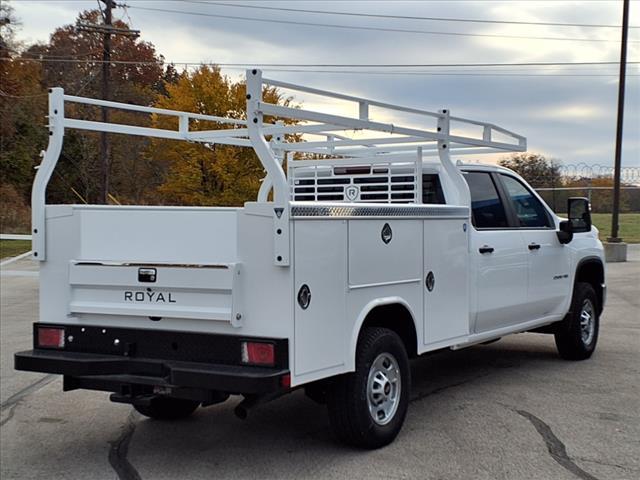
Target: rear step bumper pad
x=227, y=378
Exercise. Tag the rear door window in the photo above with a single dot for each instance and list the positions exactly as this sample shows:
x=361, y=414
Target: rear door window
x=529, y=211
x=486, y=206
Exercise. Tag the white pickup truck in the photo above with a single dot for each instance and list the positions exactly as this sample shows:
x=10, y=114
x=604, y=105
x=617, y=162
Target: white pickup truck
x=374, y=247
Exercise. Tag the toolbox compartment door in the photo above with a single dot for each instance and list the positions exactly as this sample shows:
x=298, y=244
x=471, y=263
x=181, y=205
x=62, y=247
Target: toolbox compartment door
x=320, y=264
x=156, y=290
x=446, y=273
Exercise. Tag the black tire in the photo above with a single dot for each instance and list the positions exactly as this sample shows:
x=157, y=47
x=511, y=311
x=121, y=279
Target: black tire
x=348, y=395
x=574, y=339
x=167, y=408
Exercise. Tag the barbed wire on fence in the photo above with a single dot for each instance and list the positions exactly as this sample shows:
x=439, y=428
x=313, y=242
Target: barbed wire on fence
x=592, y=181
x=589, y=172
x=580, y=174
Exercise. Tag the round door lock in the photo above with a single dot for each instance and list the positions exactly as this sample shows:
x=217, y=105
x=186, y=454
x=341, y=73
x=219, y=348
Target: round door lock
x=304, y=296
x=430, y=281
x=386, y=234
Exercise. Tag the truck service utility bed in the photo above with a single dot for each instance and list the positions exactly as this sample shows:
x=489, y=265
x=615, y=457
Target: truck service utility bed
x=367, y=245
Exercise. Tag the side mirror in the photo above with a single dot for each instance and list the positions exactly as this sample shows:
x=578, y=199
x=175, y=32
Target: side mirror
x=579, y=212
x=565, y=235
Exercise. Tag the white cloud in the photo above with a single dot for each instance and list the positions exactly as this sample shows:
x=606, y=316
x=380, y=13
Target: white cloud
x=581, y=112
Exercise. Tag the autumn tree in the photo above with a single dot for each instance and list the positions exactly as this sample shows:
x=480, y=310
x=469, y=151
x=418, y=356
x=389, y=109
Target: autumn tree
x=72, y=60
x=197, y=174
x=142, y=171
x=22, y=132
x=22, y=136
x=599, y=189
x=535, y=168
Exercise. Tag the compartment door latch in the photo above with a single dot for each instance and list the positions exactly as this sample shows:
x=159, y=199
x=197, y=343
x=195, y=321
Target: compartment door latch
x=147, y=275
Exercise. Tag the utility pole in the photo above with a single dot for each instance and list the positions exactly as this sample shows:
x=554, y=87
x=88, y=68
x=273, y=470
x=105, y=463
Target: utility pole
x=618, y=159
x=107, y=30
x=104, y=140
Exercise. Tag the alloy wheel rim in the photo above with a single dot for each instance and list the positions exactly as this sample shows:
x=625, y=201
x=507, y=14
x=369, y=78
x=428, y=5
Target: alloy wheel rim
x=384, y=386
x=587, y=322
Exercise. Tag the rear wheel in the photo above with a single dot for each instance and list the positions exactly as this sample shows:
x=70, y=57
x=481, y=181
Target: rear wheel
x=167, y=408
x=367, y=407
x=576, y=336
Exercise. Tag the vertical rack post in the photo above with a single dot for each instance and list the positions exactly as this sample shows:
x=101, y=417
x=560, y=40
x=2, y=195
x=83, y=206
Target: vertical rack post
x=275, y=174
x=45, y=170
x=463, y=196
x=418, y=170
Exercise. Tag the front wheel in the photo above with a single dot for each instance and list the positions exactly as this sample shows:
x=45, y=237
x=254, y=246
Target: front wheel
x=576, y=336
x=167, y=408
x=367, y=407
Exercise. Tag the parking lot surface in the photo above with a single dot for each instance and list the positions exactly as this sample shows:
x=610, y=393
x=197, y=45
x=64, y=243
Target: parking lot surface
x=512, y=409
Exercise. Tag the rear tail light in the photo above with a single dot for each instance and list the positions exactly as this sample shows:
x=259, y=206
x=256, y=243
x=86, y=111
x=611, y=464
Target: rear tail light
x=50, y=337
x=258, y=353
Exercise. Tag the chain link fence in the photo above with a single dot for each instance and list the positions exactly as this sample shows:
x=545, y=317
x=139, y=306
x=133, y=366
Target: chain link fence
x=592, y=181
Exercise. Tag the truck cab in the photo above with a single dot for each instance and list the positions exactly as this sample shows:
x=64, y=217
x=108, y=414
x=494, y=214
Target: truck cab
x=523, y=272
x=366, y=248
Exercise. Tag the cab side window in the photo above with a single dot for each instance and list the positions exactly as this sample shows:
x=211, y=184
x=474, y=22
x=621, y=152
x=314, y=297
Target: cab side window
x=529, y=211
x=486, y=206
x=431, y=189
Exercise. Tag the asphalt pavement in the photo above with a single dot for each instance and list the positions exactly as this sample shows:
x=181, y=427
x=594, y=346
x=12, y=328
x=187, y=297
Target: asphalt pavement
x=509, y=410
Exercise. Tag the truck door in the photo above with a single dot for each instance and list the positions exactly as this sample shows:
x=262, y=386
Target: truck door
x=548, y=262
x=499, y=256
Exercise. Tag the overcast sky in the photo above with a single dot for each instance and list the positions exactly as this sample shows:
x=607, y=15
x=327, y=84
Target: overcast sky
x=564, y=116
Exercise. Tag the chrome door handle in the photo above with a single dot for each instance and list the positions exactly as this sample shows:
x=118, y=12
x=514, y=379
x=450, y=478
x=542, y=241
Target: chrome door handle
x=534, y=246
x=485, y=249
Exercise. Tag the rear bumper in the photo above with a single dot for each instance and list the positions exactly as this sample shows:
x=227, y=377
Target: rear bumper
x=134, y=359
x=106, y=372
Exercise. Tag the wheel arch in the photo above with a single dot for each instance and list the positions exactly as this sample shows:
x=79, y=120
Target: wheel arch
x=393, y=313
x=591, y=270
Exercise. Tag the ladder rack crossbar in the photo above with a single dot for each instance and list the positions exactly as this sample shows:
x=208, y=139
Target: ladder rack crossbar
x=354, y=123
x=340, y=96
x=153, y=110
x=366, y=102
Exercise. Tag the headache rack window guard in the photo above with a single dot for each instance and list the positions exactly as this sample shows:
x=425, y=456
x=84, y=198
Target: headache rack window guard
x=379, y=143
x=387, y=179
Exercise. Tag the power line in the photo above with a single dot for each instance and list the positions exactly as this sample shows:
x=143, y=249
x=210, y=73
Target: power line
x=106, y=28
x=356, y=72
x=50, y=55
x=377, y=29
x=453, y=74
x=86, y=83
x=404, y=17
x=327, y=65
